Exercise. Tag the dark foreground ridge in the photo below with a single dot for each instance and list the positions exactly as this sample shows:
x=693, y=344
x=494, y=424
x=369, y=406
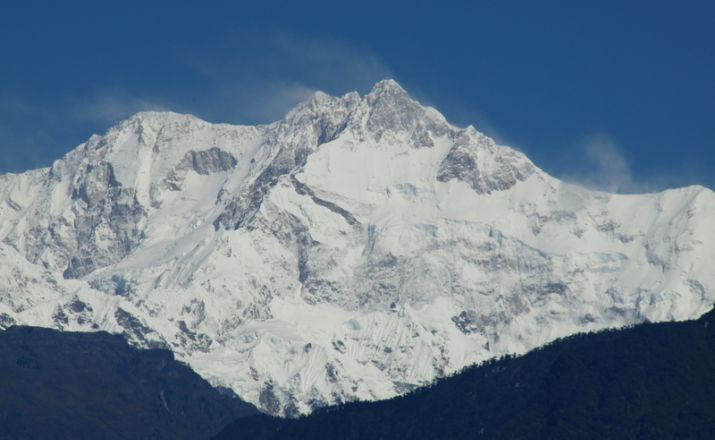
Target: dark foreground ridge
x=60, y=385
x=652, y=381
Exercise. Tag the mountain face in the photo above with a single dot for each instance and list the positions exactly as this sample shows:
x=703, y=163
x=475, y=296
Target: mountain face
x=356, y=249
x=648, y=382
x=62, y=385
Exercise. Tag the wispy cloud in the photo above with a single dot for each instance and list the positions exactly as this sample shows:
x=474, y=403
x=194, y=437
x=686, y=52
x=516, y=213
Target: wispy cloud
x=107, y=106
x=100, y=108
x=242, y=82
x=258, y=78
x=252, y=78
x=611, y=170
x=34, y=132
x=604, y=166
x=331, y=63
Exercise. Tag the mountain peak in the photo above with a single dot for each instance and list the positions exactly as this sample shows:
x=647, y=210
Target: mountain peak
x=387, y=85
x=387, y=89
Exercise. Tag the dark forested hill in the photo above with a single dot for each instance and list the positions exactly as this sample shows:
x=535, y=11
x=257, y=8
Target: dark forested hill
x=58, y=385
x=653, y=381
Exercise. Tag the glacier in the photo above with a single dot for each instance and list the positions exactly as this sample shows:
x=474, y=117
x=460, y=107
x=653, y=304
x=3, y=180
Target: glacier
x=358, y=248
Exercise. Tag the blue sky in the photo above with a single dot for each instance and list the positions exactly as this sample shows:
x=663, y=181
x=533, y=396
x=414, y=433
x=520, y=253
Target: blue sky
x=614, y=94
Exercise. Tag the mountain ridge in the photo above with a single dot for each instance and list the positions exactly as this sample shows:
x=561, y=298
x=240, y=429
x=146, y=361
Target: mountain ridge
x=357, y=248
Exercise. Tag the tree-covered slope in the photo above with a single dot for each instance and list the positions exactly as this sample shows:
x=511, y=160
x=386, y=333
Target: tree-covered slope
x=56, y=385
x=652, y=381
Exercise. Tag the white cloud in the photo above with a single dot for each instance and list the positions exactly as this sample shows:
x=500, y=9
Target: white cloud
x=332, y=64
x=254, y=78
x=102, y=107
x=251, y=102
x=259, y=78
x=604, y=166
x=35, y=132
x=107, y=107
x=611, y=170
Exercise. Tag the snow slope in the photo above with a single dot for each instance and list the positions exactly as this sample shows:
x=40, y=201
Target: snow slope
x=355, y=249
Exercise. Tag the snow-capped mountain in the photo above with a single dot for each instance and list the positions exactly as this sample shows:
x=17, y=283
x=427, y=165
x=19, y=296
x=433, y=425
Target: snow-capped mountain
x=355, y=249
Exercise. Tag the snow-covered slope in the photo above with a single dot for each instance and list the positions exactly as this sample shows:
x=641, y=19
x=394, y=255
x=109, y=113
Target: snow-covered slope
x=357, y=248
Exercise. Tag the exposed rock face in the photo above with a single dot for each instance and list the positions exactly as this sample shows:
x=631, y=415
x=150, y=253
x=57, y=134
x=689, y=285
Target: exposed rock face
x=213, y=160
x=355, y=249
x=102, y=224
x=486, y=169
x=392, y=111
